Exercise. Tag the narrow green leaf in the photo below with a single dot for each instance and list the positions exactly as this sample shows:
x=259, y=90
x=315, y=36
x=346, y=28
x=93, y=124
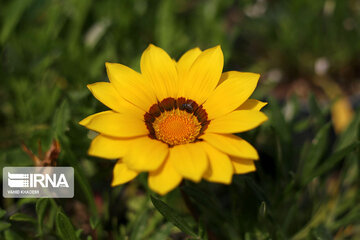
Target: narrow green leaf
x=202, y=231
x=40, y=207
x=278, y=121
x=332, y=161
x=294, y=106
x=301, y=125
x=24, y=201
x=14, y=12
x=282, y=137
x=4, y=225
x=12, y=235
x=205, y=202
x=139, y=225
x=316, y=151
x=80, y=177
x=61, y=119
x=317, y=116
x=350, y=134
x=171, y=215
x=21, y=217
x=153, y=223
x=78, y=233
x=2, y=212
x=52, y=212
x=262, y=209
x=64, y=227
x=94, y=222
x=163, y=232
x=257, y=190
x=350, y=218
x=321, y=233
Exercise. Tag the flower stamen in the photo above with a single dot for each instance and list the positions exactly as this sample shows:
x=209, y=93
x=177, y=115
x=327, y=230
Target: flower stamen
x=176, y=121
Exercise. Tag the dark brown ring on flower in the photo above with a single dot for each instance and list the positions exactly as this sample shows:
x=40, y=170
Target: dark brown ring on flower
x=169, y=104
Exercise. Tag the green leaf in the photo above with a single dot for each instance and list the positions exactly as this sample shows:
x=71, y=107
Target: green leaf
x=278, y=121
x=94, y=222
x=139, y=226
x=351, y=217
x=282, y=137
x=4, y=225
x=78, y=233
x=61, y=119
x=80, y=177
x=12, y=235
x=40, y=207
x=21, y=217
x=153, y=222
x=350, y=134
x=316, y=114
x=52, y=211
x=301, y=125
x=321, y=233
x=64, y=227
x=262, y=209
x=24, y=201
x=259, y=192
x=171, y=215
x=163, y=232
x=332, y=161
x=202, y=231
x=2, y=212
x=316, y=151
x=14, y=12
x=207, y=203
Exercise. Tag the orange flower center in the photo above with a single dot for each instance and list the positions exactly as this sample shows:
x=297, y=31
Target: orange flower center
x=176, y=127
x=176, y=121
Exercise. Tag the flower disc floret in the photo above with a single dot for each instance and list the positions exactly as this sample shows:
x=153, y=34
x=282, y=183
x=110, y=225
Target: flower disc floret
x=176, y=121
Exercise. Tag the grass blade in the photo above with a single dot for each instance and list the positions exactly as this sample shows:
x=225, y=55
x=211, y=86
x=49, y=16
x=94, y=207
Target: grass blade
x=173, y=217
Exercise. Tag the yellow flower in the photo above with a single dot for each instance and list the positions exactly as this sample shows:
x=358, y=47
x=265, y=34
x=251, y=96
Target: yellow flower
x=175, y=120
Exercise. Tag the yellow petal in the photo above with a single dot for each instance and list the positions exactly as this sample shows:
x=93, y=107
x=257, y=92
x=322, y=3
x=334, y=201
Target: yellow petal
x=115, y=124
x=231, y=93
x=121, y=174
x=185, y=62
x=204, y=75
x=158, y=68
x=164, y=179
x=108, y=147
x=88, y=119
x=231, y=145
x=242, y=165
x=106, y=93
x=252, y=104
x=220, y=168
x=189, y=160
x=145, y=154
x=237, y=121
x=131, y=85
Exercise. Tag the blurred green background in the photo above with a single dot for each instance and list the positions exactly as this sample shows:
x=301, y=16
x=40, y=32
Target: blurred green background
x=307, y=183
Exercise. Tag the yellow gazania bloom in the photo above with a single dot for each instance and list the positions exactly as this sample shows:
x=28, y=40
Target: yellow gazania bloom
x=175, y=120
